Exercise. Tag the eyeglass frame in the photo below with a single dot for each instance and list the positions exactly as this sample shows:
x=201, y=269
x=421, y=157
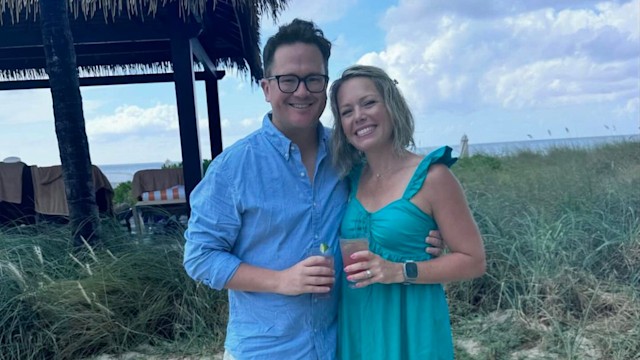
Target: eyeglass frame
x=300, y=80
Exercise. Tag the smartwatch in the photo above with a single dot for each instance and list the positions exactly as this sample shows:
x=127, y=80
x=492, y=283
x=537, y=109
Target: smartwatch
x=410, y=272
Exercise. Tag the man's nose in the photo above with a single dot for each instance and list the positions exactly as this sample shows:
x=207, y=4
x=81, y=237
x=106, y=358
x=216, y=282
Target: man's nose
x=302, y=89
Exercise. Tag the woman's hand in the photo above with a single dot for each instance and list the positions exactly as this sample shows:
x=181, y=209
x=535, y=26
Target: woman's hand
x=371, y=269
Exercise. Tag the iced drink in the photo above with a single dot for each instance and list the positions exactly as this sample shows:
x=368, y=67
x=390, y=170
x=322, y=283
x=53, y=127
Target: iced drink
x=350, y=246
x=324, y=251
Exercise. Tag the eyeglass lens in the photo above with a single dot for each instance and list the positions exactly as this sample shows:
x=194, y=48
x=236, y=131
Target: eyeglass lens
x=290, y=83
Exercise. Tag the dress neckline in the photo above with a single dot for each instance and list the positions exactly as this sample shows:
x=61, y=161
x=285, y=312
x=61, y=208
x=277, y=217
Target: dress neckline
x=404, y=193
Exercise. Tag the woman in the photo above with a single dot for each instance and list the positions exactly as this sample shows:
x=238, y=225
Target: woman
x=398, y=307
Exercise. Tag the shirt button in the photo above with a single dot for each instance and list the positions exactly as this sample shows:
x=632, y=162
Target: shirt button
x=302, y=174
x=317, y=236
x=314, y=204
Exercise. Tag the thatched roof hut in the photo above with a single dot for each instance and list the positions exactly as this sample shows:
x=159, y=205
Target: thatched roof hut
x=121, y=37
x=143, y=41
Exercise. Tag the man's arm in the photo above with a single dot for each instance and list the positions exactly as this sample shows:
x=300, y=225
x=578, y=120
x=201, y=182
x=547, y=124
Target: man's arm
x=311, y=275
x=436, y=244
x=213, y=229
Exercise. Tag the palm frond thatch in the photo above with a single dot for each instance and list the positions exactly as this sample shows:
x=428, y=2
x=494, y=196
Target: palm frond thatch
x=113, y=8
x=244, y=34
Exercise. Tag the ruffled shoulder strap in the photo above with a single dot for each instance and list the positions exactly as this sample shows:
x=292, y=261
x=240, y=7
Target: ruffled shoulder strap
x=440, y=155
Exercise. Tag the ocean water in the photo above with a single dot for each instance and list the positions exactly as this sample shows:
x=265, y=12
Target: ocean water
x=118, y=173
x=540, y=146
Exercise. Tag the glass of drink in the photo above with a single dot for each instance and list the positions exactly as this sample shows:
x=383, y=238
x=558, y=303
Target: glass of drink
x=324, y=251
x=348, y=246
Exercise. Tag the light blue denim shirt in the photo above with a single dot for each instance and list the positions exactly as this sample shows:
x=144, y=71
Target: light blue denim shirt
x=256, y=205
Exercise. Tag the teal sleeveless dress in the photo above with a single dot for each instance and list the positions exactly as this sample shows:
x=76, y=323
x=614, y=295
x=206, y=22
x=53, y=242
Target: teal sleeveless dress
x=394, y=321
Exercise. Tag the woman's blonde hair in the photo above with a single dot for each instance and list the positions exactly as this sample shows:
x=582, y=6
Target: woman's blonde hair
x=345, y=155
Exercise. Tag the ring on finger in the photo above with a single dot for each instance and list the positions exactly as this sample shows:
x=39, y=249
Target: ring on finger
x=369, y=274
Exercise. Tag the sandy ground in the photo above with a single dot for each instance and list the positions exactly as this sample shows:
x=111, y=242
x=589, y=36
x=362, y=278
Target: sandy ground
x=132, y=355
x=585, y=347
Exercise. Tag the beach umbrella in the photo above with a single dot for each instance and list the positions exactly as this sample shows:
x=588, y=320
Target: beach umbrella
x=464, y=146
x=200, y=33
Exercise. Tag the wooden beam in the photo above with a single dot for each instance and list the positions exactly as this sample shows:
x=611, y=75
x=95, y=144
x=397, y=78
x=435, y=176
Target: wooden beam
x=202, y=56
x=215, y=121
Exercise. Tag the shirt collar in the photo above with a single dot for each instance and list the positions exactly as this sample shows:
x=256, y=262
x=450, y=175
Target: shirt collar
x=282, y=143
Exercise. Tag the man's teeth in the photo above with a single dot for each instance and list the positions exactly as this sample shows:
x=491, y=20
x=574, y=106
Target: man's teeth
x=365, y=131
x=300, y=106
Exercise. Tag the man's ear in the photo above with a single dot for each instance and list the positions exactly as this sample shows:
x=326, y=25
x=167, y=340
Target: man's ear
x=264, y=84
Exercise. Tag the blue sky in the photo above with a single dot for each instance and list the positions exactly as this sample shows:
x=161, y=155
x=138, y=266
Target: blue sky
x=500, y=70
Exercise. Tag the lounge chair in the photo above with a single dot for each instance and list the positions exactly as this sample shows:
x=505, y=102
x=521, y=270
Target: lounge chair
x=159, y=193
x=51, y=198
x=16, y=193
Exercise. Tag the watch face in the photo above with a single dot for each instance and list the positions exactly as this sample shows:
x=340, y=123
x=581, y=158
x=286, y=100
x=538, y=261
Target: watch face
x=412, y=270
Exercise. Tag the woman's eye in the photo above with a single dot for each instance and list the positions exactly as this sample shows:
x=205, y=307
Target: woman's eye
x=345, y=113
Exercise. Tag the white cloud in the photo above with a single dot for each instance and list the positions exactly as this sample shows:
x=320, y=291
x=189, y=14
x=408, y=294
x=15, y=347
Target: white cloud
x=155, y=130
x=631, y=107
x=249, y=123
x=234, y=130
x=134, y=119
x=556, y=82
x=448, y=57
x=520, y=66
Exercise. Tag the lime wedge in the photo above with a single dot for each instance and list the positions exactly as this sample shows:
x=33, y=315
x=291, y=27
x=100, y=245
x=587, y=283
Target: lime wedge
x=324, y=248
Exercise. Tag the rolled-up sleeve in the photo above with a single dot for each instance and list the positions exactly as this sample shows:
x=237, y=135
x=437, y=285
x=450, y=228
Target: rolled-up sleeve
x=213, y=229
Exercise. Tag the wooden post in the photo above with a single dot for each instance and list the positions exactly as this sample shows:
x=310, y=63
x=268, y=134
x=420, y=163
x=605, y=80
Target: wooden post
x=182, y=56
x=213, y=108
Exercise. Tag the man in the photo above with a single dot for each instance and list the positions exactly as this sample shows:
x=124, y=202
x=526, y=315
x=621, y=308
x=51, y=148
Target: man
x=265, y=202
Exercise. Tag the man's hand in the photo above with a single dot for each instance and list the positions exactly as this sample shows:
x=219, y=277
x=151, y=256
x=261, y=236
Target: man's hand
x=437, y=244
x=314, y=274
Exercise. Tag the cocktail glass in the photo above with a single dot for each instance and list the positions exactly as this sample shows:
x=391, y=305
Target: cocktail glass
x=348, y=246
x=324, y=251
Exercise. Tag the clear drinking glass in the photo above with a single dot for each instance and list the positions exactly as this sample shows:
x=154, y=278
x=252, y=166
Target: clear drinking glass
x=348, y=246
x=324, y=251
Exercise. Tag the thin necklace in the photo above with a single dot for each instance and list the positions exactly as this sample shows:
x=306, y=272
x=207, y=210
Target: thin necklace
x=389, y=169
x=386, y=171
x=382, y=174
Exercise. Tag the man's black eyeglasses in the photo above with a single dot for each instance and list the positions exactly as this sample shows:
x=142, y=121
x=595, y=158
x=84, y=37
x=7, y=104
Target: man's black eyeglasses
x=289, y=83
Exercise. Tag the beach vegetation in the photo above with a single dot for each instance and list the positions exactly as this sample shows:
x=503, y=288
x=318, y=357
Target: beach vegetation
x=174, y=165
x=562, y=238
x=122, y=194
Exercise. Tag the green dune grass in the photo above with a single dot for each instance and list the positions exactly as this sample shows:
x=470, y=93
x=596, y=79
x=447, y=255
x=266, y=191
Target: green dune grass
x=561, y=231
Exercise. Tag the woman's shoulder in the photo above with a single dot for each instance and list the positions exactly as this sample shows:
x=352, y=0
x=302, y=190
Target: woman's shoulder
x=439, y=172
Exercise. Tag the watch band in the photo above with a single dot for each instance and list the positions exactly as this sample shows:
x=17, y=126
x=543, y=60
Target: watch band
x=410, y=272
